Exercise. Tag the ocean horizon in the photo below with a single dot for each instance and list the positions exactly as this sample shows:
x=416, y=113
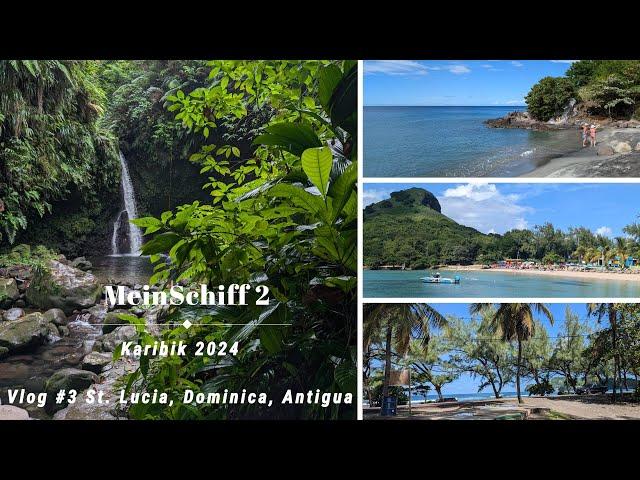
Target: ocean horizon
x=443, y=141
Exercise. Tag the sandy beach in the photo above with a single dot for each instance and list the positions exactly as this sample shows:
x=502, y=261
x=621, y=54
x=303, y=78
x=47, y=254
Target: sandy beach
x=569, y=407
x=585, y=162
x=633, y=277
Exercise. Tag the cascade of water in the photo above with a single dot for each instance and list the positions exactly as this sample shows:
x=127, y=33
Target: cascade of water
x=129, y=200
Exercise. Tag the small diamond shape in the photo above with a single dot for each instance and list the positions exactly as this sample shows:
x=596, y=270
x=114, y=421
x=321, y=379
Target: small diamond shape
x=186, y=324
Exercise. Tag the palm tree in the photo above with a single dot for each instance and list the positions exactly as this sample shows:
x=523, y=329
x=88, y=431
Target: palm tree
x=514, y=321
x=623, y=248
x=609, y=310
x=401, y=322
x=580, y=252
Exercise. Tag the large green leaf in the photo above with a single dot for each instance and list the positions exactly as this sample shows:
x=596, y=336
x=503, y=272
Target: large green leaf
x=344, y=102
x=292, y=137
x=316, y=163
x=329, y=78
x=161, y=243
x=302, y=198
x=341, y=188
x=346, y=377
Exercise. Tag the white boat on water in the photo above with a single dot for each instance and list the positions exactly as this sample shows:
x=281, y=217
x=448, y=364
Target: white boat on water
x=436, y=278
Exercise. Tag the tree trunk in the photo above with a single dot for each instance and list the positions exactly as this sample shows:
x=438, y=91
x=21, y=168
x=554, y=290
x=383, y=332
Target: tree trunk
x=387, y=363
x=614, y=332
x=439, y=392
x=518, y=371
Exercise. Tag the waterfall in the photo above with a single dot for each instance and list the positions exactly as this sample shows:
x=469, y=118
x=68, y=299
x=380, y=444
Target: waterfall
x=129, y=200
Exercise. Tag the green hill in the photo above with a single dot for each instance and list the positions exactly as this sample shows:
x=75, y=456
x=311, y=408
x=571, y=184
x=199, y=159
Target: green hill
x=410, y=229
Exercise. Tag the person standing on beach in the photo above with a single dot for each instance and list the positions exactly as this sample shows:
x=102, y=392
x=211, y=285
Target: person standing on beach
x=592, y=132
x=585, y=134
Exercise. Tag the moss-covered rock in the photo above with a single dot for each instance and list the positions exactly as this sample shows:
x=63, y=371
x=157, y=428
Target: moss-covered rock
x=67, y=379
x=64, y=287
x=8, y=292
x=24, y=333
x=95, y=361
x=112, y=321
x=55, y=315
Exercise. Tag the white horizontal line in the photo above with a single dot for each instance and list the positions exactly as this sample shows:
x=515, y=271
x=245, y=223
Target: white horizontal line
x=499, y=300
x=499, y=180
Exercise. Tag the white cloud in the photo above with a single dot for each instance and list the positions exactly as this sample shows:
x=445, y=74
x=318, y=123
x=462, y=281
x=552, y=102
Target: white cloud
x=515, y=63
x=604, y=231
x=515, y=102
x=410, y=67
x=457, y=69
x=395, y=67
x=484, y=207
x=370, y=196
x=563, y=61
x=486, y=65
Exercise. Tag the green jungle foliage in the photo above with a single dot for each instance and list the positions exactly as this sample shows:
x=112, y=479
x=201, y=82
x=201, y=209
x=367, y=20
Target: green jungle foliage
x=548, y=97
x=53, y=148
x=36, y=257
x=408, y=229
x=282, y=213
x=605, y=87
x=156, y=147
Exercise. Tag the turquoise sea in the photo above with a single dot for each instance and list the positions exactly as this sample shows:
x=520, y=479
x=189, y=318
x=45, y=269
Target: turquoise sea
x=476, y=284
x=454, y=142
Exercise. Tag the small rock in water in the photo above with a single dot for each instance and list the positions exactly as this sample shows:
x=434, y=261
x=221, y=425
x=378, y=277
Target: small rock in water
x=605, y=150
x=10, y=412
x=13, y=314
x=81, y=263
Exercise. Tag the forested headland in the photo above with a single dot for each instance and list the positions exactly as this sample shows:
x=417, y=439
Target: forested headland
x=409, y=229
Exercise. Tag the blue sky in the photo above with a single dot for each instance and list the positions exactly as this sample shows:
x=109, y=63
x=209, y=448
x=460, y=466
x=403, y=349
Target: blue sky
x=497, y=208
x=466, y=384
x=463, y=82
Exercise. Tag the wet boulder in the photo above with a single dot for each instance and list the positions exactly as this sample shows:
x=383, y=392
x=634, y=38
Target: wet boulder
x=67, y=379
x=81, y=263
x=112, y=321
x=24, y=333
x=8, y=292
x=64, y=287
x=55, y=315
x=110, y=341
x=96, y=362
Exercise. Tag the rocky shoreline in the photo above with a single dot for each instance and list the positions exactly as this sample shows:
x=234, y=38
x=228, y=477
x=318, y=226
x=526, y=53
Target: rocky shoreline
x=56, y=332
x=617, y=153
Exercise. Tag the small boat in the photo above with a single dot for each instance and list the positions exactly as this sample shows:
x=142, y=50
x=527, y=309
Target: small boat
x=436, y=278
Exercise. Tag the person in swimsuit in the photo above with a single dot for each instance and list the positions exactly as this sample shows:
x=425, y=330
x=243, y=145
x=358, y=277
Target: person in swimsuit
x=592, y=134
x=585, y=134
